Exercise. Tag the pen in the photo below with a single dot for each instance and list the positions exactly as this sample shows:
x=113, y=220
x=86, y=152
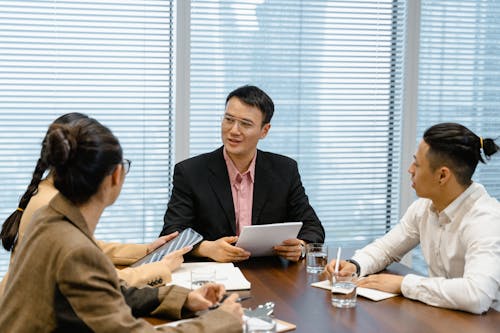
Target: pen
x=238, y=300
x=337, y=262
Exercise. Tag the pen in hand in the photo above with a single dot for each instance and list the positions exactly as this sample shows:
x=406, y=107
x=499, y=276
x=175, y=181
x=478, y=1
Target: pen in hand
x=238, y=300
x=337, y=261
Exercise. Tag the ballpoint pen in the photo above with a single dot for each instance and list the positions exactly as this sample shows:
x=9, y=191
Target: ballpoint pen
x=238, y=300
x=337, y=261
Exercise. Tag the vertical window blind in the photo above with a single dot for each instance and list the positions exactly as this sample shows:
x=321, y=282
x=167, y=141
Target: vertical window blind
x=459, y=76
x=334, y=71
x=112, y=60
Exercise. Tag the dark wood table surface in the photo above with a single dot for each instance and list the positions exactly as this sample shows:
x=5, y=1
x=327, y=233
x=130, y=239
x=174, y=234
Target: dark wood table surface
x=288, y=285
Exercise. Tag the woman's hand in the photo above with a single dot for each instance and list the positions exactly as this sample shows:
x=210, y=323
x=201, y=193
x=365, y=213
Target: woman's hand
x=204, y=297
x=174, y=259
x=160, y=241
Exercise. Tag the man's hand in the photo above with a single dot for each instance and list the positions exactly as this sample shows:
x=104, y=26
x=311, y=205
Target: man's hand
x=222, y=250
x=345, y=268
x=204, y=297
x=160, y=241
x=174, y=259
x=290, y=249
x=390, y=283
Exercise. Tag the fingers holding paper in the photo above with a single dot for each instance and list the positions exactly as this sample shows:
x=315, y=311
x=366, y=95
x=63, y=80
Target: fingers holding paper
x=385, y=282
x=223, y=250
x=290, y=249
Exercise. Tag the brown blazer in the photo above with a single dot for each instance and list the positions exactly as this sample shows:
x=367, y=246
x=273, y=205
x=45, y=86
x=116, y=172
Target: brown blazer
x=120, y=254
x=61, y=281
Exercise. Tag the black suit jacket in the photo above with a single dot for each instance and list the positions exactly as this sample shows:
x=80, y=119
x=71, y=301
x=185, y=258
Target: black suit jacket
x=202, y=199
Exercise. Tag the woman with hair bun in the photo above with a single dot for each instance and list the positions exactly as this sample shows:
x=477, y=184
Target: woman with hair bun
x=60, y=281
x=41, y=191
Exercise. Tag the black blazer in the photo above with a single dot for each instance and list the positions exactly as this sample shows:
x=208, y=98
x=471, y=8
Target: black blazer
x=202, y=199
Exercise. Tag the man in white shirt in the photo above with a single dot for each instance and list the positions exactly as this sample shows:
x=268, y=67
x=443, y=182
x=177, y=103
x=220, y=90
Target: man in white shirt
x=455, y=221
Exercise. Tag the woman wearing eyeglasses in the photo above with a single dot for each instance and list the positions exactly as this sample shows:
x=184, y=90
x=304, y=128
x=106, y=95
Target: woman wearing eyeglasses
x=41, y=191
x=61, y=281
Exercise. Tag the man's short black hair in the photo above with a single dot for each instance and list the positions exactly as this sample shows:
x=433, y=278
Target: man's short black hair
x=254, y=96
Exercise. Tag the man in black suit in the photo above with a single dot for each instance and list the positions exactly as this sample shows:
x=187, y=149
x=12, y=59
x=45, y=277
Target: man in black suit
x=236, y=185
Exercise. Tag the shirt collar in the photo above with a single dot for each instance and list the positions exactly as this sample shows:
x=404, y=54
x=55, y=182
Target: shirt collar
x=456, y=206
x=233, y=171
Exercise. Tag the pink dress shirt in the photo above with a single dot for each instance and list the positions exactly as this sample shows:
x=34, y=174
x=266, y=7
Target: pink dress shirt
x=242, y=190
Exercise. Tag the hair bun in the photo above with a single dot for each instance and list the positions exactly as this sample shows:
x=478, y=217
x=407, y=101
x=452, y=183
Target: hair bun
x=489, y=147
x=60, y=145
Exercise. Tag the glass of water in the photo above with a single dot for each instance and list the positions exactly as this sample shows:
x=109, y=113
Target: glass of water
x=316, y=257
x=344, y=290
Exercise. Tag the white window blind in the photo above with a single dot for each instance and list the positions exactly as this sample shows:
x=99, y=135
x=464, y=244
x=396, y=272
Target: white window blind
x=459, y=77
x=334, y=71
x=111, y=60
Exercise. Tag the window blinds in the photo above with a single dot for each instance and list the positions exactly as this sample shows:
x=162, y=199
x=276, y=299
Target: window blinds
x=334, y=71
x=459, y=77
x=109, y=59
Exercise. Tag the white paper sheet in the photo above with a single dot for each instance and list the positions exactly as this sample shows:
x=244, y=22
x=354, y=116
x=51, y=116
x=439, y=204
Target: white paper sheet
x=259, y=240
x=225, y=273
x=373, y=294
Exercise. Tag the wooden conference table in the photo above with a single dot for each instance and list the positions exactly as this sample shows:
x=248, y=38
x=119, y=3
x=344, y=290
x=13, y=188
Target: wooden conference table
x=288, y=285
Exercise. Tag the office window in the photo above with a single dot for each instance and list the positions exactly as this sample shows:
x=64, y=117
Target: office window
x=459, y=79
x=334, y=71
x=109, y=59
x=458, y=75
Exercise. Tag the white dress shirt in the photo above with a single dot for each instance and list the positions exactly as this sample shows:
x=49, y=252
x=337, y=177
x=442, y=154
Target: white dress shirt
x=461, y=246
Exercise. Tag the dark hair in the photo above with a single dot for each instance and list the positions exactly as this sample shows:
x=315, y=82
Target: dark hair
x=80, y=155
x=254, y=96
x=458, y=148
x=10, y=227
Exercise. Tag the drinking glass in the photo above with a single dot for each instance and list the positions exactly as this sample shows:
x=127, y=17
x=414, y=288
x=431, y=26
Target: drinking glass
x=316, y=257
x=344, y=290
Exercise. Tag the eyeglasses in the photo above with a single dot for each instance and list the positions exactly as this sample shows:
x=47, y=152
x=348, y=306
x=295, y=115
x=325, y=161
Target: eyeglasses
x=126, y=165
x=244, y=124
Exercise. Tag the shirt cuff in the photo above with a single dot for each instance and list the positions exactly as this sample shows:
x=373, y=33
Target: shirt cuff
x=409, y=285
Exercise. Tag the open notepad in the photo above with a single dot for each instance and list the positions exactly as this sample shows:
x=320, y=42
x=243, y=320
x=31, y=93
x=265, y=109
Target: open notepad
x=225, y=273
x=374, y=295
